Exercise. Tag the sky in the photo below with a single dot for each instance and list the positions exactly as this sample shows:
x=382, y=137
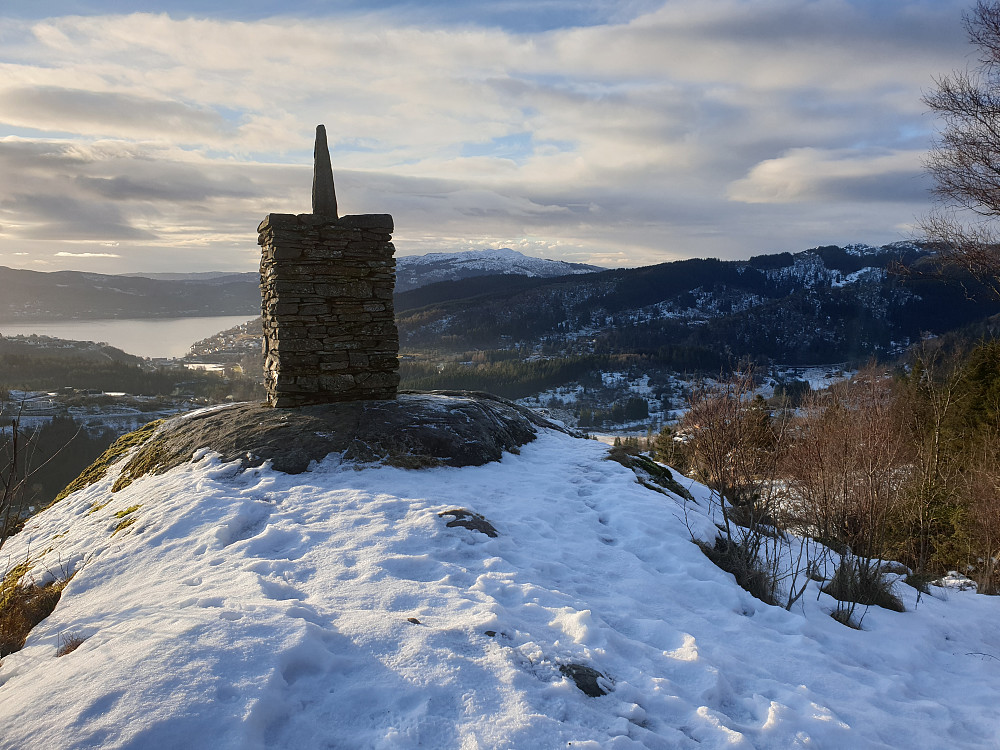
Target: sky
x=155, y=136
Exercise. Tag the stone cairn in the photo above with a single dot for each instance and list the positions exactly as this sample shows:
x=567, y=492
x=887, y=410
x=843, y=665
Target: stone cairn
x=326, y=284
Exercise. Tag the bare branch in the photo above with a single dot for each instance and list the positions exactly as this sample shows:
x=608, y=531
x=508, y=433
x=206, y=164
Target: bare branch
x=965, y=159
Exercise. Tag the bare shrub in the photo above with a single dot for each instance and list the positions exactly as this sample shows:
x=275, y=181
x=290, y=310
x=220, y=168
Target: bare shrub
x=13, y=484
x=745, y=565
x=847, y=463
x=28, y=462
x=846, y=467
x=932, y=397
x=69, y=643
x=734, y=444
x=981, y=491
x=855, y=582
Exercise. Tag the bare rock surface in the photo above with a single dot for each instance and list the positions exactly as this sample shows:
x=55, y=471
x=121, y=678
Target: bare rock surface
x=415, y=430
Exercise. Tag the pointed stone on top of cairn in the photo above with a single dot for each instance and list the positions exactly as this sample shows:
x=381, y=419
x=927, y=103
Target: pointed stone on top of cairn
x=324, y=198
x=326, y=286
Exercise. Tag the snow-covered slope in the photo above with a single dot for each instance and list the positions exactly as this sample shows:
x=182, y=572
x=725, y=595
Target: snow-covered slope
x=414, y=271
x=337, y=609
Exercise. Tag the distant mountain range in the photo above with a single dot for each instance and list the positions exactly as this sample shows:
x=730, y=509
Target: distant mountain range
x=77, y=295
x=193, y=276
x=69, y=295
x=826, y=304
x=415, y=271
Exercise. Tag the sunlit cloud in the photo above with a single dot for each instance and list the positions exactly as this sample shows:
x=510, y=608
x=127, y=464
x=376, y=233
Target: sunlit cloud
x=64, y=254
x=809, y=174
x=103, y=113
x=675, y=129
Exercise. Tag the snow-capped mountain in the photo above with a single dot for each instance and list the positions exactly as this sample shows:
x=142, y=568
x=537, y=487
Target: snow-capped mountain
x=240, y=609
x=414, y=271
x=826, y=304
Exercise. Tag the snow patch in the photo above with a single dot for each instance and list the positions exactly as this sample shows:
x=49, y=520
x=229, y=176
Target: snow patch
x=336, y=608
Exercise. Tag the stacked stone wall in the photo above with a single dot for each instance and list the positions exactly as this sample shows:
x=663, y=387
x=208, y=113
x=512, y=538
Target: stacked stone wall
x=329, y=327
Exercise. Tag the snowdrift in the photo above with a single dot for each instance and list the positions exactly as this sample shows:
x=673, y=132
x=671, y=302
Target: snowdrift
x=231, y=607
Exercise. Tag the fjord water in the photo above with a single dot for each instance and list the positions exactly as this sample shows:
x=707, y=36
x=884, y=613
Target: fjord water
x=166, y=337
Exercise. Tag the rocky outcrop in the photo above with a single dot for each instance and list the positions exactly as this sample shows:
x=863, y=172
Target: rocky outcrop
x=415, y=430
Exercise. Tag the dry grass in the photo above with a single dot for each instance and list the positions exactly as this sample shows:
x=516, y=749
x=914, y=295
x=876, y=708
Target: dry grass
x=735, y=558
x=123, y=524
x=22, y=606
x=69, y=643
x=127, y=519
x=862, y=583
x=844, y=617
x=150, y=459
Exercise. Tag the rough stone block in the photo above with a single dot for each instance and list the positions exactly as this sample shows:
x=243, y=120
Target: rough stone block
x=378, y=222
x=326, y=289
x=336, y=383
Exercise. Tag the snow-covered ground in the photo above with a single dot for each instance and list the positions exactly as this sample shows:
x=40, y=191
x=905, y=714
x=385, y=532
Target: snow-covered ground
x=33, y=410
x=336, y=609
x=818, y=377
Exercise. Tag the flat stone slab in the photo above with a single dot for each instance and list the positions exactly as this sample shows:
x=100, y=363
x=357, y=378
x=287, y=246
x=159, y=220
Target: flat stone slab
x=373, y=222
x=414, y=430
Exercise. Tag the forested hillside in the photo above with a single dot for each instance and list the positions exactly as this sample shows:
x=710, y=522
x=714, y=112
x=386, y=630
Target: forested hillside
x=822, y=305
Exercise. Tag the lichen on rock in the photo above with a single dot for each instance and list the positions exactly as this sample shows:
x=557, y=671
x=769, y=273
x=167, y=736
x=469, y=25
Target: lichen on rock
x=416, y=430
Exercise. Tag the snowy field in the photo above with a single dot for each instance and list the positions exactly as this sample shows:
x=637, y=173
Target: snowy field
x=336, y=609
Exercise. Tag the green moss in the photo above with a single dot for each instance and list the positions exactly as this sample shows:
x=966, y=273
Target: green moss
x=123, y=524
x=148, y=460
x=650, y=474
x=11, y=580
x=99, y=469
x=98, y=506
x=127, y=511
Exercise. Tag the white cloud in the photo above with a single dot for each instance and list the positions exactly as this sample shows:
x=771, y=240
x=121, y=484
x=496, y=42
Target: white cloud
x=104, y=113
x=64, y=254
x=685, y=131
x=811, y=174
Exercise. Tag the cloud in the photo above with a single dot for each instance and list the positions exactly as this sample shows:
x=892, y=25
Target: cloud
x=168, y=183
x=58, y=217
x=64, y=254
x=115, y=192
x=109, y=113
x=683, y=128
x=843, y=175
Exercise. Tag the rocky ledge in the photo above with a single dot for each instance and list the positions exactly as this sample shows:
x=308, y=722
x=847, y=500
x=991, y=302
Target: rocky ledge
x=414, y=430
